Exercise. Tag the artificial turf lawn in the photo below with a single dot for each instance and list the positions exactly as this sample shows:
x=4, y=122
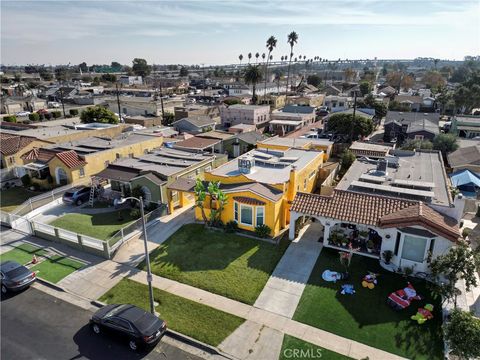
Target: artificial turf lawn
x=294, y=348
x=100, y=226
x=198, y=321
x=22, y=254
x=11, y=198
x=226, y=264
x=365, y=316
x=56, y=268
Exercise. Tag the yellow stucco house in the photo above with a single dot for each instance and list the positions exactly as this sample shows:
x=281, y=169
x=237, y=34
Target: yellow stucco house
x=260, y=186
x=12, y=147
x=70, y=162
x=285, y=143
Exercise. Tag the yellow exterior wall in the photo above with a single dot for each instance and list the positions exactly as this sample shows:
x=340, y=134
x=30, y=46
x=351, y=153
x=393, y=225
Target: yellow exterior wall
x=16, y=159
x=271, y=213
x=277, y=214
x=97, y=162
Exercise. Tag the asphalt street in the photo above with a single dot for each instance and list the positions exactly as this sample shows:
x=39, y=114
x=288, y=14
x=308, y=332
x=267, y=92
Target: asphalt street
x=35, y=325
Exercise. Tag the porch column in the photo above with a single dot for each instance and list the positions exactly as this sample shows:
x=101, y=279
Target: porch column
x=291, y=231
x=326, y=231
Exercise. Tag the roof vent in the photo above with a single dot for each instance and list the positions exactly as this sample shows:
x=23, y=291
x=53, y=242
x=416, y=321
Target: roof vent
x=382, y=166
x=245, y=164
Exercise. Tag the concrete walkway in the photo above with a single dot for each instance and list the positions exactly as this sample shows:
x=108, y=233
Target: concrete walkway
x=284, y=288
x=54, y=213
x=133, y=251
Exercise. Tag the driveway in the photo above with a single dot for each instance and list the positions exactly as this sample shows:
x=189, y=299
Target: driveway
x=284, y=288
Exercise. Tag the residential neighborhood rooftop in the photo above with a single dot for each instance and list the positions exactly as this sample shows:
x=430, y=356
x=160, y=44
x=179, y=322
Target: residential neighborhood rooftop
x=295, y=142
x=270, y=167
x=419, y=176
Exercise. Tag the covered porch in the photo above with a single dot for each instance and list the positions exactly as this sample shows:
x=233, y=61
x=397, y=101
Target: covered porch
x=364, y=239
x=180, y=193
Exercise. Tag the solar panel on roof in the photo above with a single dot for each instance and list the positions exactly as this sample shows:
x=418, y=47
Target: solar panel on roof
x=393, y=189
x=262, y=155
x=414, y=183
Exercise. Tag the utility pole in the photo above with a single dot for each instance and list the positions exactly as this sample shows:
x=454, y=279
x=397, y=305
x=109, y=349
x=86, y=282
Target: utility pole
x=161, y=93
x=63, y=103
x=118, y=103
x=204, y=82
x=354, y=111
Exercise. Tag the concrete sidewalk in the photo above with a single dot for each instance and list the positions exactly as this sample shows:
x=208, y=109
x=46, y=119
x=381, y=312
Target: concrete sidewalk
x=285, y=286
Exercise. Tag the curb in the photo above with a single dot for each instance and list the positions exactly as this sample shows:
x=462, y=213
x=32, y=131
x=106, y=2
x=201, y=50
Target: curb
x=182, y=338
x=50, y=284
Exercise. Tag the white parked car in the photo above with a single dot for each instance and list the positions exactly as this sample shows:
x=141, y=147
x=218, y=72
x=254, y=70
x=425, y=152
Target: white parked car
x=23, y=113
x=53, y=104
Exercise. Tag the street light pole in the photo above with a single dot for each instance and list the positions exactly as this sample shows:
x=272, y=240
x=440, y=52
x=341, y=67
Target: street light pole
x=147, y=257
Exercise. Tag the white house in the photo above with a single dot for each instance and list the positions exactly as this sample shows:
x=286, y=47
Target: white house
x=371, y=224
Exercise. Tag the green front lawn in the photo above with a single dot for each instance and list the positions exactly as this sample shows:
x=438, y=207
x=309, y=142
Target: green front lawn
x=56, y=268
x=100, y=226
x=226, y=264
x=22, y=254
x=11, y=198
x=365, y=316
x=198, y=321
x=293, y=348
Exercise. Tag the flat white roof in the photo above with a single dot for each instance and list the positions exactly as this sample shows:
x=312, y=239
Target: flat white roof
x=393, y=189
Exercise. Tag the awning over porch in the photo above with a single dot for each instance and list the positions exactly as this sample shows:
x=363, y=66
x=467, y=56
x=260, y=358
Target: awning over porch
x=374, y=210
x=182, y=184
x=35, y=166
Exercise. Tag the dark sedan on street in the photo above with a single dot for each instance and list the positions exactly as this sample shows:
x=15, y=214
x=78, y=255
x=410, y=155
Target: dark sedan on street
x=15, y=277
x=134, y=325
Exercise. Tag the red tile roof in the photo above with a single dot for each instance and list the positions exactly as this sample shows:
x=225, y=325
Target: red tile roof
x=11, y=144
x=39, y=154
x=71, y=159
x=375, y=210
x=248, y=200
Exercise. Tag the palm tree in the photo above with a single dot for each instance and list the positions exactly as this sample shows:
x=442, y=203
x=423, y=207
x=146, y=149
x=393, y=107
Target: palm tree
x=249, y=57
x=271, y=44
x=257, y=55
x=263, y=56
x=304, y=57
x=292, y=39
x=281, y=58
x=253, y=76
x=240, y=57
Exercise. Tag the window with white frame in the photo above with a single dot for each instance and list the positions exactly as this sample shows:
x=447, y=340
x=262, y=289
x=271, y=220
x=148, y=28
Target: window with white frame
x=246, y=215
x=82, y=172
x=418, y=137
x=414, y=248
x=235, y=211
x=260, y=215
x=312, y=175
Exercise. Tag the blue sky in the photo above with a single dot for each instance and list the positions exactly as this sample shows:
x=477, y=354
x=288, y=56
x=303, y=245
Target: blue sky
x=216, y=32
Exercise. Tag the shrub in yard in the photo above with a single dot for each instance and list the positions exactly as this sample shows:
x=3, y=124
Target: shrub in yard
x=135, y=213
x=68, y=116
x=34, y=116
x=73, y=112
x=150, y=207
x=26, y=181
x=10, y=118
x=466, y=232
x=262, y=230
x=56, y=114
x=231, y=226
x=48, y=116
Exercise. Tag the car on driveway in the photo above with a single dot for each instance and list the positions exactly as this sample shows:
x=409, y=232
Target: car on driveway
x=77, y=195
x=42, y=111
x=15, y=277
x=134, y=325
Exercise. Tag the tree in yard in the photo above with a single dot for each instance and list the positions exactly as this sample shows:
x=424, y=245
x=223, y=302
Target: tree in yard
x=109, y=78
x=346, y=160
x=217, y=201
x=396, y=106
x=257, y=55
x=253, y=76
x=46, y=75
x=116, y=66
x=345, y=125
x=249, y=57
x=462, y=332
x=416, y=144
x=240, y=57
x=183, y=71
x=446, y=143
x=365, y=87
x=98, y=114
x=292, y=39
x=433, y=80
x=83, y=67
x=140, y=67
x=271, y=44
x=459, y=263
x=380, y=107
x=349, y=74
x=34, y=117
x=168, y=118
x=314, y=80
